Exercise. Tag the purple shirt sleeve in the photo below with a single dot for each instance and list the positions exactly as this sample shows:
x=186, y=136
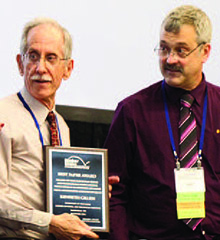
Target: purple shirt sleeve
x=118, y=146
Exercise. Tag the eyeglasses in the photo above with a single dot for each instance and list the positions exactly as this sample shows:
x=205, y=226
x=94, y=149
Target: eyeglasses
x=165, y=52
x=50, y=59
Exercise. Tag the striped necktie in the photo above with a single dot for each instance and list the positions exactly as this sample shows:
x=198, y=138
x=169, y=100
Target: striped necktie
x=188, y=142
x=188, y=138
x=54, y=136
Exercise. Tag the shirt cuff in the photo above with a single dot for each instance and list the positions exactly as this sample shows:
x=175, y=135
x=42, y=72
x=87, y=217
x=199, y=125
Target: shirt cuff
x=40, y=222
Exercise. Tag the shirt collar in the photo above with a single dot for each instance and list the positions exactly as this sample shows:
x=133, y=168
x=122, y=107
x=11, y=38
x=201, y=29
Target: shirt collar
x=40, y=111
x=174, y=94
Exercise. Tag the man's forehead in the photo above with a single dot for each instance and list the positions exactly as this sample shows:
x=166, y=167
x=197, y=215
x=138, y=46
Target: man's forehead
x=45, y=35
x=186, y=35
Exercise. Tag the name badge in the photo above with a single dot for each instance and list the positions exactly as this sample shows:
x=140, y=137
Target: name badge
x=190, y=190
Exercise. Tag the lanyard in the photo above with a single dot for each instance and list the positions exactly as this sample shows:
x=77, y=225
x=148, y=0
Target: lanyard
x=35, y=120
x=204, y=115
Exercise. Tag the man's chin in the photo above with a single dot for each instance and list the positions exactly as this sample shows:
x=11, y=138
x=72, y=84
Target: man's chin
x=173, y=81
x=40, y=93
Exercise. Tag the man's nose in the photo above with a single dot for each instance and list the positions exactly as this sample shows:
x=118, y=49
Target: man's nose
x=41, y=65
x=172, y=58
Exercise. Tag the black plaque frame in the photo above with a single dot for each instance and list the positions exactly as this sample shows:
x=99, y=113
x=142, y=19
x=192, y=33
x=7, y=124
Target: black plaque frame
x=77, y=183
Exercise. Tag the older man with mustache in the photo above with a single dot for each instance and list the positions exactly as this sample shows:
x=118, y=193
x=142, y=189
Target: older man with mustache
x=44, y=61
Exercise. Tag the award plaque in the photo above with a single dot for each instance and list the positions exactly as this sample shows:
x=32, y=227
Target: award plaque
x=77, y=183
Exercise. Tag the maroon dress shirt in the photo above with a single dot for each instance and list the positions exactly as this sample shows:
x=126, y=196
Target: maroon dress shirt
x=140, y=153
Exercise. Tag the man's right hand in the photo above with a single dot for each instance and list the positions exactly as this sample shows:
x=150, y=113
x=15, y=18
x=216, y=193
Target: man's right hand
x=69, y=227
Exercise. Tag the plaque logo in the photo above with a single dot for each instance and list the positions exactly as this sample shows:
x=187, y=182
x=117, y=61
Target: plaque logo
x=76, y=162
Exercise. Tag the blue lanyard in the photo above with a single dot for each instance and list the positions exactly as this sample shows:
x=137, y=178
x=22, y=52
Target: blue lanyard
x=35, y=120
x=204, y=115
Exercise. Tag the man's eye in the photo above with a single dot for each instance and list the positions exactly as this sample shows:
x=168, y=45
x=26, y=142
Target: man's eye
x=163, y=48
x=181, y=50
x=51, y=58
x=33, y=56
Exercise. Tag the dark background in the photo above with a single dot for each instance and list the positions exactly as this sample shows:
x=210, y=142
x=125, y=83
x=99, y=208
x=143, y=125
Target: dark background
x=88, y=127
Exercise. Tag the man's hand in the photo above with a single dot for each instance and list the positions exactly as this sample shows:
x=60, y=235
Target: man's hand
x=69, y=227
x=112, y=180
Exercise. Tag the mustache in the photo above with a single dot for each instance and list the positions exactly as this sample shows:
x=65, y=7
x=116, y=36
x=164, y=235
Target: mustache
x=173, y=68
x=40, y=77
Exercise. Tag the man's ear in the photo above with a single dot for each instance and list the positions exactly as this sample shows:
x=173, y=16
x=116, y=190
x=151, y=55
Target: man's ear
x=20, y=64
x=206, y=52
x=68, y=69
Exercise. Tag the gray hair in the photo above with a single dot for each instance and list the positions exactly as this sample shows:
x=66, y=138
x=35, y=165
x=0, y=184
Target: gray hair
x=190, y=15
x=67, y=48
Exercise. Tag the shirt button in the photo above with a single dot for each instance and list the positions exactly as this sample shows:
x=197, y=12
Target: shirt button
x=203, y=232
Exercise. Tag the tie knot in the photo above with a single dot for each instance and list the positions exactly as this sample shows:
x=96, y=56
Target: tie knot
x=51, y=117
x=54, y=134
x=187, y=100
